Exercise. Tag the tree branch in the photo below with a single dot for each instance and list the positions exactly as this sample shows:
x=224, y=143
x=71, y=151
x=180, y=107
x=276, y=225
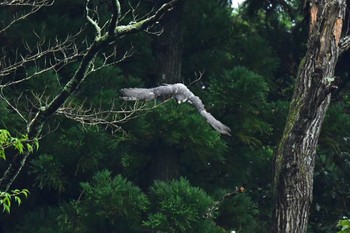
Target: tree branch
x=91, y=21
x=143, y=24
x=111, y=118
x=26, y=3
x=35, y=6
x=35, y=125
x=116, y=15
x=218, y=203
x=55, y=57
x=344, y=44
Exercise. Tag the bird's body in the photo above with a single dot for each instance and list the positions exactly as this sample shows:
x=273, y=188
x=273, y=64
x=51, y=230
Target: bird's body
x=181, y=93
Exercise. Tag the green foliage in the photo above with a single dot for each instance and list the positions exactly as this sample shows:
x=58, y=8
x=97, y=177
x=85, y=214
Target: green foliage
x=344, y=226
x=48, y=172
x=242, y=94
x=252, y=49
x=22, y=145
x=172, y=129
x=44, y=84
x=86, y=145
x=6, y=198
x=255, y=54
x=181, y=125
x=108, y=204
x=115, y=196
x=249, y=63
x=332, y=172
x=110, y=81
x=235, y=85
x=334, y=133
x=5, y=139
x=40, y=220
x=202, y=50
x=179, y=207
x=239, y=213
x=275, y=114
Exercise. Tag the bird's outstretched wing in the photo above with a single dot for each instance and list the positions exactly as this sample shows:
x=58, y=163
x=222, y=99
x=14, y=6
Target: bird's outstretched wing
x=146, y=93
x=181, y=93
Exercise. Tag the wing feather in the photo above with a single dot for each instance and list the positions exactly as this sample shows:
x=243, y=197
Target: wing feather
x=182, y=94
x=137, y=93
x=217, y=125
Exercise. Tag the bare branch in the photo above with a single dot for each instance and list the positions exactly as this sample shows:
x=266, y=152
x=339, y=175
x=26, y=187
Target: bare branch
x=85, y=65
x=211, y=210
x=13, y=107
x=111, y=118
x=53, y=58
x=116, y=15
x=108, y=118
x=110, y=59
x=94, y=23
x=133, y=11
x=344, y=44
x=199, y=77
x=146, y=23
x=34, y=7
x=71, y=86
x=26, y=3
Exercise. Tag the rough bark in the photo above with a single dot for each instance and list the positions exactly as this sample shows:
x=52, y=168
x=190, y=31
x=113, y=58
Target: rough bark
x=168, y=47
x=295, y=158
x=165, y=164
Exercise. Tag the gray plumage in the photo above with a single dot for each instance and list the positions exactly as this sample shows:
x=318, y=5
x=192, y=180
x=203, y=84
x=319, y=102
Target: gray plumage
x=181, y=93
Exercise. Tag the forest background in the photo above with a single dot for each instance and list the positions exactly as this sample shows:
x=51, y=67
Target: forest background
x=163, y=169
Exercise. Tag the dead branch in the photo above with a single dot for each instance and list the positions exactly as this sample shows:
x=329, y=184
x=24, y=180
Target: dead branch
x=199, y=76
x=147, y=22
x=50, y=58
x=116, y=16
x=33, y=5
x=111, y=118
x=58, y=104
x=91, y=116
x=90, y=13
x=26, y=3
x=110, y=60
x=212, y=209
x=13, y=106
x=344, y=44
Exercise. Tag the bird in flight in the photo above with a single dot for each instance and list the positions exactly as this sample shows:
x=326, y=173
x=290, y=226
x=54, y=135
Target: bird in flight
x=181, y=93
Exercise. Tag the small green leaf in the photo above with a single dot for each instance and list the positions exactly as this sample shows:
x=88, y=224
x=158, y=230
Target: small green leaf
x=36, y=142
x=2, y=153
x=29, y=147
x=25, y=192
x=7, y=209
x=18, y=200
x=18, y=145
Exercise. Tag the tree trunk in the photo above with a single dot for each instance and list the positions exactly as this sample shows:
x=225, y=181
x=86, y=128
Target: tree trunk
x=295, y=157
x=164, y=166
x=167, y=49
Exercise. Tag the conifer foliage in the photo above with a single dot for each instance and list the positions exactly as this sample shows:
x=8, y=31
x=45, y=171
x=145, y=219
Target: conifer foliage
x=78, y=158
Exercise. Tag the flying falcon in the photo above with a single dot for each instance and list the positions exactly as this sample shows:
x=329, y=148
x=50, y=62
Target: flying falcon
x=181, y=93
